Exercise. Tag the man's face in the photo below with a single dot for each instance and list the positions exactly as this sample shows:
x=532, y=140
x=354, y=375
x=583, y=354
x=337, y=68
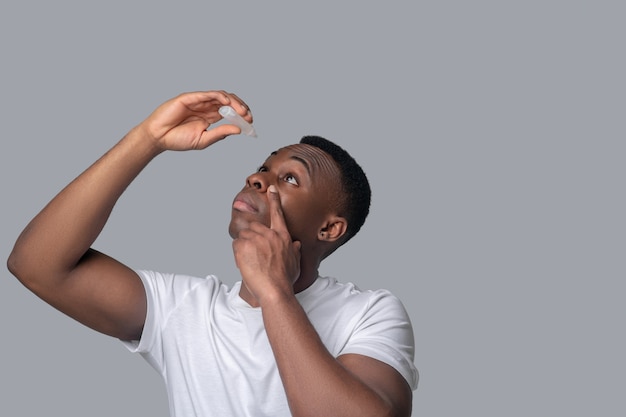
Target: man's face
x=306, y=180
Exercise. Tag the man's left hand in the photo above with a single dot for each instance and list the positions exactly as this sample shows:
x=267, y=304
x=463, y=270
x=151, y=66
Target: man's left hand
x=269, y=261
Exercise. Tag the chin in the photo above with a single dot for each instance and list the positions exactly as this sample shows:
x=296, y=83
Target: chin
x=233, y=230
x=237, y=224
x=240, y=221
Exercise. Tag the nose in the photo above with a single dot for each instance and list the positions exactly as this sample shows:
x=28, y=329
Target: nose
x=259, y=181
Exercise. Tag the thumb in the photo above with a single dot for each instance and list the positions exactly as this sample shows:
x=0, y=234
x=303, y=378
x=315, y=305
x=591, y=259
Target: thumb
x=209, y=137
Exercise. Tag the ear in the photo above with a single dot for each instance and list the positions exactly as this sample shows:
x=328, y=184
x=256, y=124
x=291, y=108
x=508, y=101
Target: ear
x=333, y=229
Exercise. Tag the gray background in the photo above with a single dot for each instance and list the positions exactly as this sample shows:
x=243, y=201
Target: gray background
x=492, y=132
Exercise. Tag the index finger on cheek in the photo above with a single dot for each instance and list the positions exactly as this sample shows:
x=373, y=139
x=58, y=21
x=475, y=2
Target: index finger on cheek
x=277, y=219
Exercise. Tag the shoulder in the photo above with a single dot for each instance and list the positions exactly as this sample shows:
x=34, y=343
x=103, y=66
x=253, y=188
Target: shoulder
x=372, y=323
x=354, y=309
x=349, y=295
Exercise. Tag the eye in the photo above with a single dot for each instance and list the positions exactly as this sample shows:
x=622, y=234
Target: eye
x=290, y=179
x=261, y=169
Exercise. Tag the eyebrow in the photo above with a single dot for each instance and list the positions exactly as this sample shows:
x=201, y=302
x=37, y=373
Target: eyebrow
x=303, y=161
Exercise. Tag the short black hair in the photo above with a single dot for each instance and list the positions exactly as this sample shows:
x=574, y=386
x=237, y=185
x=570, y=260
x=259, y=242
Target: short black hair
x=354, y=183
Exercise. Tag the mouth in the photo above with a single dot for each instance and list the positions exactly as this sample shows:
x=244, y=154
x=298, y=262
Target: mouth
x=245, y=204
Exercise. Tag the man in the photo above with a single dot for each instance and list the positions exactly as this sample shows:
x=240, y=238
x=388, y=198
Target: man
x=282, y=341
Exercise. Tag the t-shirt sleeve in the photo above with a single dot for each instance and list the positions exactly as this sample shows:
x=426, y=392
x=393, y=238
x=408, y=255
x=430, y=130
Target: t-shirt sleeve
x=164, y=292
x=384, y=332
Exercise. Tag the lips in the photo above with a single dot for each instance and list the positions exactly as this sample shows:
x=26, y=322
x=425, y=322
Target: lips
x=243, y=202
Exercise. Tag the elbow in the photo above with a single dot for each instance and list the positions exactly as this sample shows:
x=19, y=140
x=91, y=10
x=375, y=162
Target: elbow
x=32, y=276
x=18, y=265
x=13, y=263
x=15, y=266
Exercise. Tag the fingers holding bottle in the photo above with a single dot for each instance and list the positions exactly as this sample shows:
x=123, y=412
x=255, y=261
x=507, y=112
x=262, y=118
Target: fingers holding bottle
x=181, y=123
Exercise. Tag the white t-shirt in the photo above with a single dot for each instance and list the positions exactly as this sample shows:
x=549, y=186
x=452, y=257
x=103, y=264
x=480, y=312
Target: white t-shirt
x=212, y=351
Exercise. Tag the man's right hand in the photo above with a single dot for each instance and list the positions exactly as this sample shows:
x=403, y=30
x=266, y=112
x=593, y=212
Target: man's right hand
x=181, y=123
x=53, y=256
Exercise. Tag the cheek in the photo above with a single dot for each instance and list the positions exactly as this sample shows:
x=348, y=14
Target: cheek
x=301, y=219
x=290, y=215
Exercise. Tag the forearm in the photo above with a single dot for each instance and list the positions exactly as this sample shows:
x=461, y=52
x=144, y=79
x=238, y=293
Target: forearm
x=315, y=382
x=57, y=238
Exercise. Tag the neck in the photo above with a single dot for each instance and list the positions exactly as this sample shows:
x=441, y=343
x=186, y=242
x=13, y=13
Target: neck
x=307, y=277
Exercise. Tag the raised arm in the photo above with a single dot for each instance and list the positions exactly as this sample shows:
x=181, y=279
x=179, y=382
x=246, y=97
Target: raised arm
x=52, y=256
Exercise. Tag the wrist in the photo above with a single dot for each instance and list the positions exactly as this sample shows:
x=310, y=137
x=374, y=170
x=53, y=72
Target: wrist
x=143, y=142
x=276, y=297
